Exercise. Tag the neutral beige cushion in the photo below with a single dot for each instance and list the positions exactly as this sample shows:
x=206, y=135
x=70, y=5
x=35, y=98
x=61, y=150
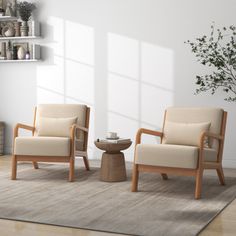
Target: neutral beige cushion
x=169, y=155
x=184, y=133
x=55, y=127
x=61, y=111
x=197, y=115
x=42, y=146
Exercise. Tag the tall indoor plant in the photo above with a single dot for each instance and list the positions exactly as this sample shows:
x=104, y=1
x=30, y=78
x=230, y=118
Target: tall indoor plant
x=217, y=51
x=25, y=10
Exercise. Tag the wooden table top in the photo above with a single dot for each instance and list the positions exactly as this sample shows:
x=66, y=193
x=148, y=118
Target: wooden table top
x=112, y=147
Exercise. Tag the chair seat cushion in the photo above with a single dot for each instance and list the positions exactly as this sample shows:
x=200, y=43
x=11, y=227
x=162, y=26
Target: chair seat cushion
x=171, y=155
x=42, y=146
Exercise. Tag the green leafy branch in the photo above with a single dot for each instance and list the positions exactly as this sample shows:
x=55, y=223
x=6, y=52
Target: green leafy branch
x=219, y=52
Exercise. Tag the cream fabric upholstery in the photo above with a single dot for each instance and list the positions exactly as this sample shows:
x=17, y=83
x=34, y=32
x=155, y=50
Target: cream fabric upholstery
x=61, y=111
x=196, y=115
x=184, y=133
x=42, y=146
x=169, y=155
x=56, y=127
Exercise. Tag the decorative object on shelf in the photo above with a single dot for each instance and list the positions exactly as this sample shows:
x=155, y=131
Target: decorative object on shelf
x=27, y=55
x=14, y=50
x=8, y=31
x=24, y=29
x=14, y=7
x=2, y=12
x=25, y=10
x=9, y=11
x=9, y=51
x=17, y=26
x=21, y=53
x=3, y=49
x=217, y=51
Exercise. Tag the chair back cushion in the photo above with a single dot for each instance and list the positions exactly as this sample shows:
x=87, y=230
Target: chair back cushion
x=66, y=112
x=55, y=127
x=184, y=133
x=196, y=115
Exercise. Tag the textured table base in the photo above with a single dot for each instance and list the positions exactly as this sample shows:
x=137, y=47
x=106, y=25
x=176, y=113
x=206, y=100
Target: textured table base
x=113, y=167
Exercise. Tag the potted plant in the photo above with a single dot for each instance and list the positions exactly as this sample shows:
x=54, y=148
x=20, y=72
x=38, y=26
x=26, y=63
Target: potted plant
x=217, y=51
x=25, y=10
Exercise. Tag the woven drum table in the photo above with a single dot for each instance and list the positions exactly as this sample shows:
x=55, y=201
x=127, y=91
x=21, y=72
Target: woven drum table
x=113, y=161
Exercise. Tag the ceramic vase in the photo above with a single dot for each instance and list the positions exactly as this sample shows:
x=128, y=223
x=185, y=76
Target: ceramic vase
x=24, y=29
x=21, y=53
x=17, y=28
x=9, y=54
x=10, y=31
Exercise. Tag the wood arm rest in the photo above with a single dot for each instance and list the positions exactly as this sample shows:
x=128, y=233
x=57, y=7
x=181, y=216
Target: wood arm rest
x=209, y=135
x=146, y=131
x=212, y=135
x=202, y=141
x=74, y=127
x=22, y=126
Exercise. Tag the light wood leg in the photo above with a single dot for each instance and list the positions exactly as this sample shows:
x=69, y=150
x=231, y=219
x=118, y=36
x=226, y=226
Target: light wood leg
x=164, y=176
x=14, y=167
x=198, y=188
x=72, y=170
x=86, y=163
x=35, y=164
x=135, y=177
x=221, y=175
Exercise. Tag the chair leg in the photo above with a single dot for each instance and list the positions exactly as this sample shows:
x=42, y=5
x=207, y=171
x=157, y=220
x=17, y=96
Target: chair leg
x=164, y=176
x=35, y=164
x=221, y=175
x=135, y=177
x=86, y=163
x=198, y=188
x=14, y=168
x=72, y=169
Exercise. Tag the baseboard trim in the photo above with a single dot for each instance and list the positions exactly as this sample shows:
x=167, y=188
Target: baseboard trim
x=229, y=163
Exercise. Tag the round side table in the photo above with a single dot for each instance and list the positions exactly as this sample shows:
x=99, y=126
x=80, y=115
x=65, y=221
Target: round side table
x=113, y=161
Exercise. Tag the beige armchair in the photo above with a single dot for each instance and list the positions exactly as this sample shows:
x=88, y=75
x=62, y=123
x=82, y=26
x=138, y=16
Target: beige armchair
x=59, y=133
x=192, y=140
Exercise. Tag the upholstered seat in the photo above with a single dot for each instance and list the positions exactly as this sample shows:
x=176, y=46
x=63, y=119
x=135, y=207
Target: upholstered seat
x=59, y=133
x=192, y=140
x=42, y=146
x=171, y=155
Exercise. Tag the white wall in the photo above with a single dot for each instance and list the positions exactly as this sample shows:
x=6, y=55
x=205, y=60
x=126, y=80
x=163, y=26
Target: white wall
x=124, y=58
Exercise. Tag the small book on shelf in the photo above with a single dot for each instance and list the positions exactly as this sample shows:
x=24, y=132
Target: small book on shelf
x=120, y=140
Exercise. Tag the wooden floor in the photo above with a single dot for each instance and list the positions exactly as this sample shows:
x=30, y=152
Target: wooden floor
x=224, y=224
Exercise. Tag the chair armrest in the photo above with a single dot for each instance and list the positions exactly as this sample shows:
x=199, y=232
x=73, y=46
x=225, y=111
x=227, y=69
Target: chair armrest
x=210, y=135
x=202, y=139
x=22, y=126
x=146, y=131
x=74, y=127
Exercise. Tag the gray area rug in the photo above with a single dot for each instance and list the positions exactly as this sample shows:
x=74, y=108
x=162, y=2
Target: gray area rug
x=159, y=208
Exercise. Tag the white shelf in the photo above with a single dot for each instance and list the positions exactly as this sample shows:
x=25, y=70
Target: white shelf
x=7, y=18
x=9, y=61
x=19, y=38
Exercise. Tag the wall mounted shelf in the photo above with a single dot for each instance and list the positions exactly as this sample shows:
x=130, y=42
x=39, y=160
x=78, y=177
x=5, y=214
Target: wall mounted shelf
x=19, y=38
x=24, y=41
x=7, y=18
x=8, y=61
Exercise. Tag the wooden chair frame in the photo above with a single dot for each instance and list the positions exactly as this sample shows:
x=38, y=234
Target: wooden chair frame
x=202, y=164
x=70, y=159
